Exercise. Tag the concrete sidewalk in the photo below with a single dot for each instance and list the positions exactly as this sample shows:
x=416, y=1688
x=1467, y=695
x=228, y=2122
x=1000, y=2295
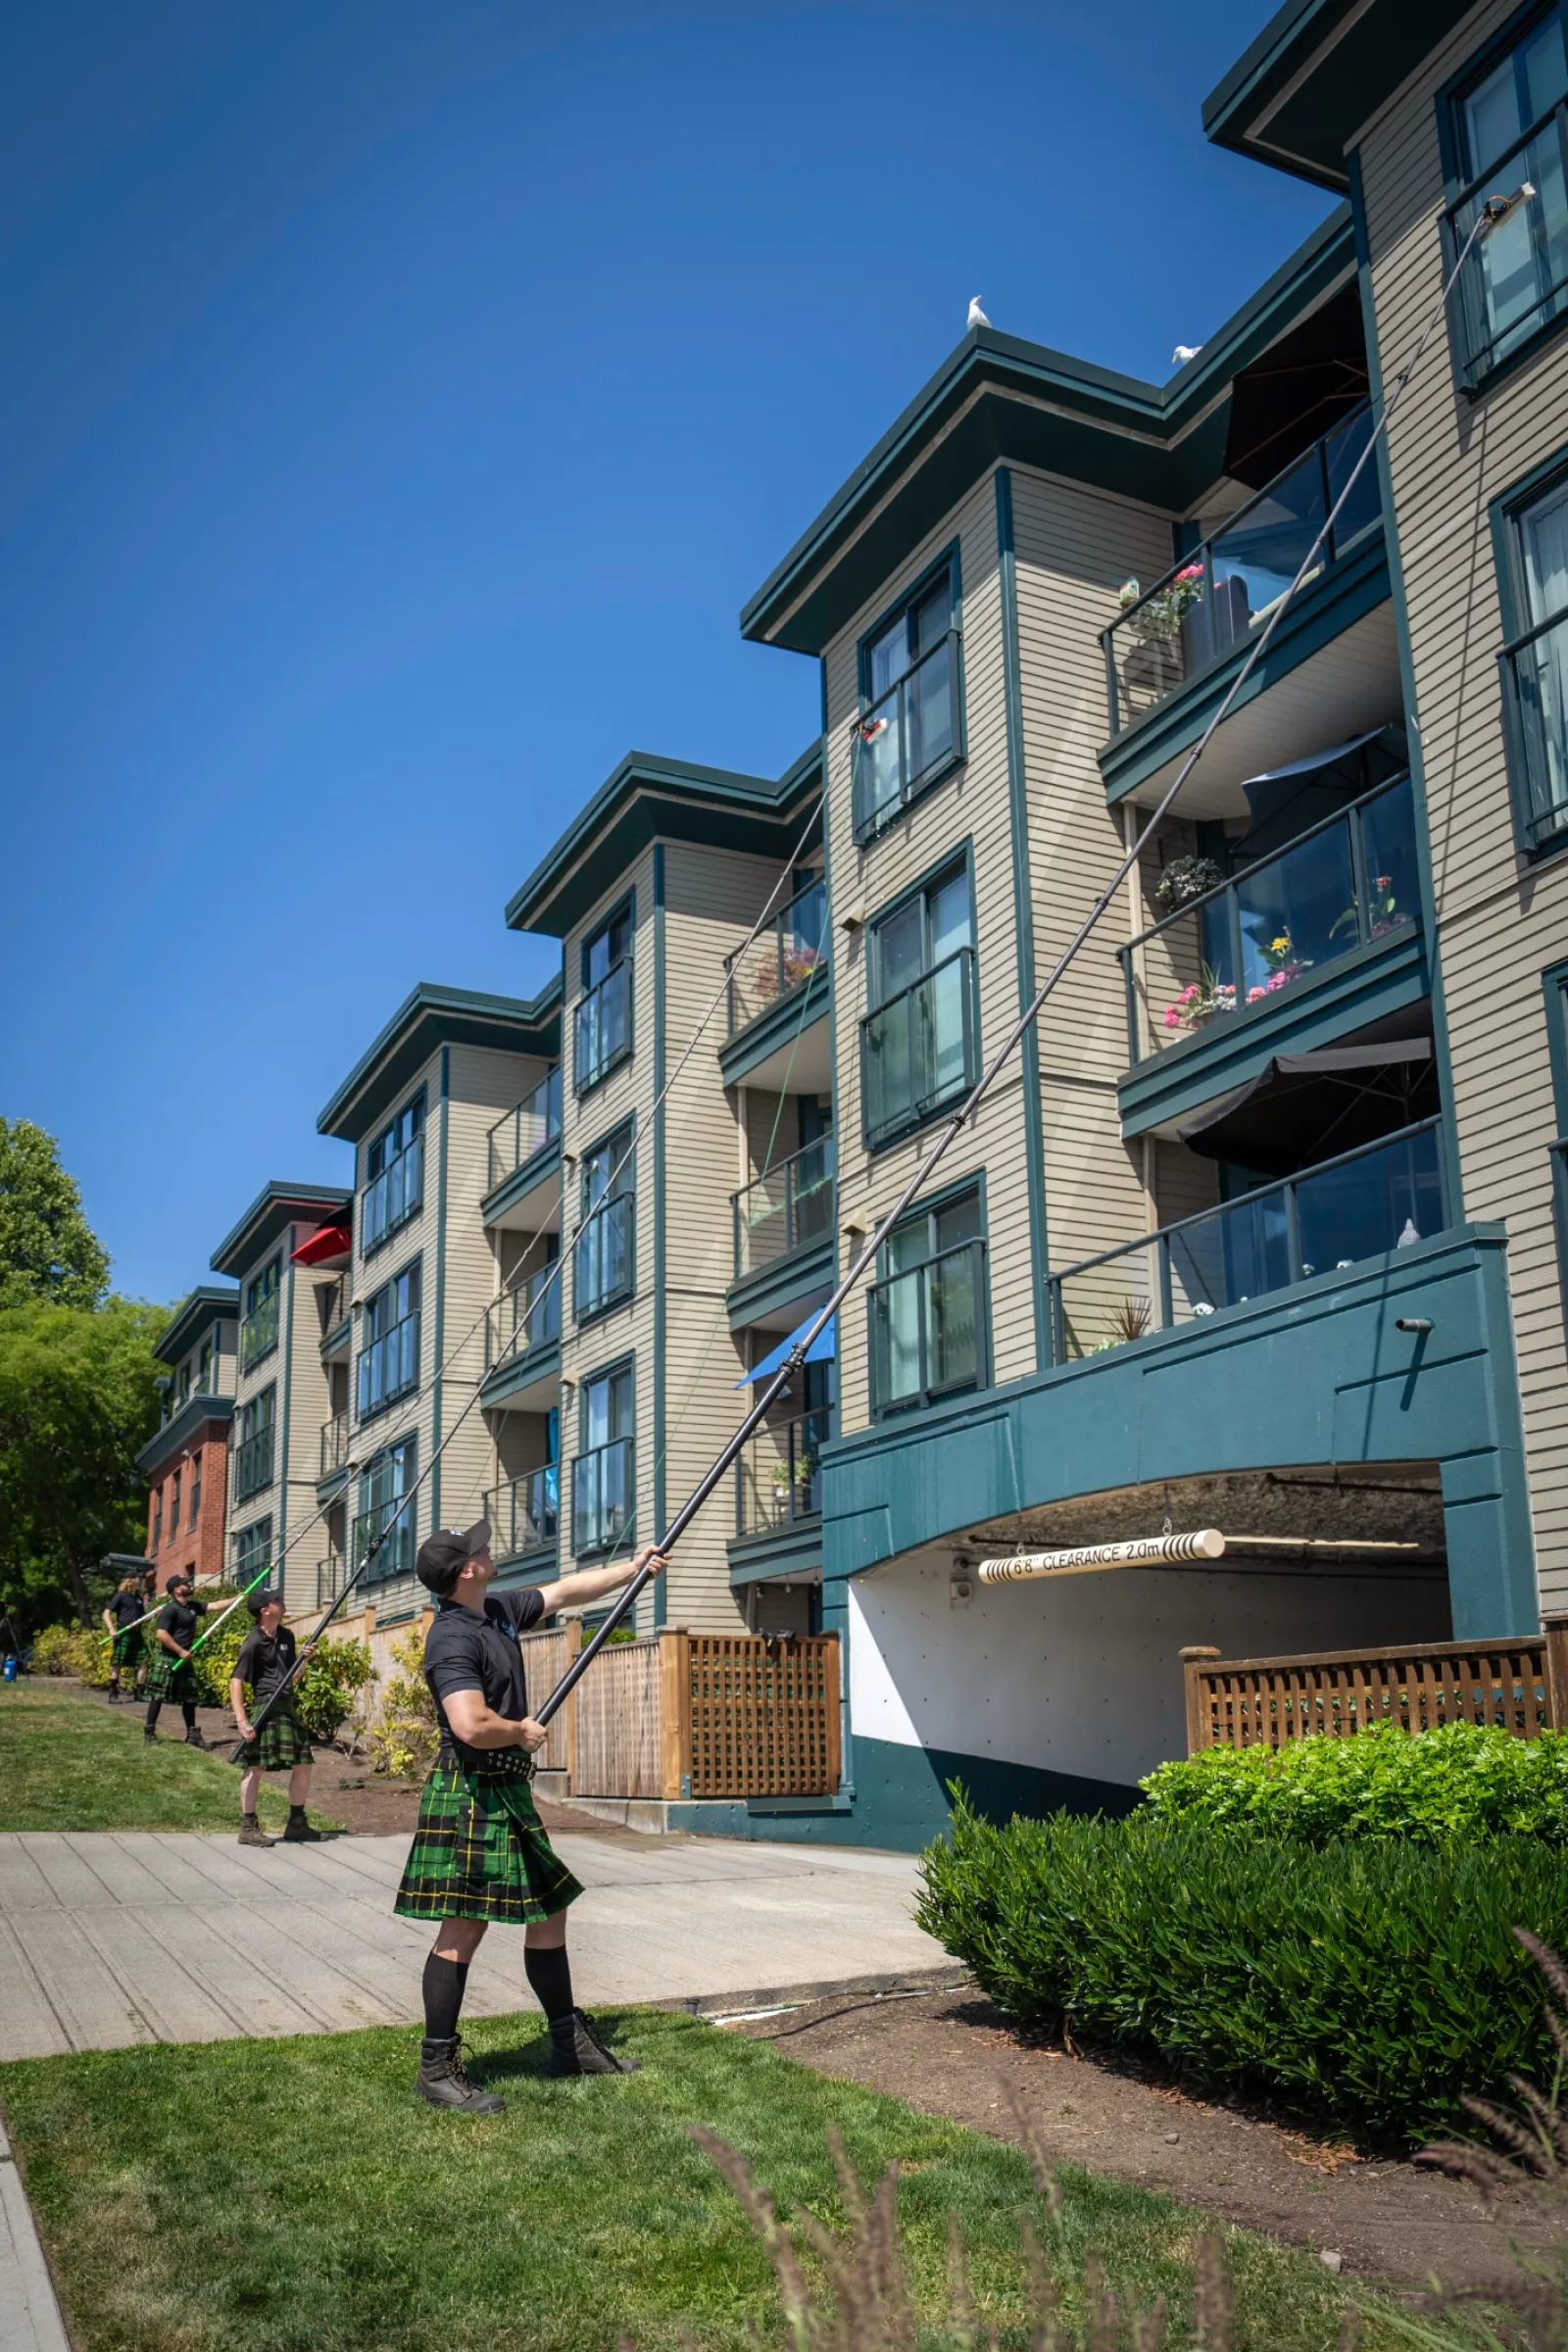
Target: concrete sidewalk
x=108, y=1939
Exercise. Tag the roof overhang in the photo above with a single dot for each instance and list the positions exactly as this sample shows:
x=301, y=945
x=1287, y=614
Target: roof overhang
x=997, y=399
x=1299, y=95
x=428, y=1018
x=649, y=799
x=207, y=1304
x=198, y=1412
x=270, y=1215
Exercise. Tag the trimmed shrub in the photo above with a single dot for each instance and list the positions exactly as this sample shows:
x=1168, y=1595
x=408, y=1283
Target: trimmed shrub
x=71, y=1649
x=404, y=1736
x=1462, y=1783
x=1377, y=1981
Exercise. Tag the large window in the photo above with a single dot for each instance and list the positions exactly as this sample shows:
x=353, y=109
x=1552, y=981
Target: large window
x=258, y=1334
x=909, y=733
x=157, y=1521
x=184, y=1383
x=253, y=1551
x=387, y=1510
x=1534, y=601
x=604, y=1475
x=602, y=1036
x=928, y=1311
x=195, y=1486
x=603, y=1272
x=204, y=1378
x=394, y=1177
x=1508, y=125
x=919, y=1042
x=389, y=1354
x=173, y=1508
x=253, y=1459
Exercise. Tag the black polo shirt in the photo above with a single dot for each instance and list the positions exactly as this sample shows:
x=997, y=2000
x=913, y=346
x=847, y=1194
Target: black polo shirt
x=125, y=1607
x=178, y=1619
x=265, y=1660
x=466, y=1651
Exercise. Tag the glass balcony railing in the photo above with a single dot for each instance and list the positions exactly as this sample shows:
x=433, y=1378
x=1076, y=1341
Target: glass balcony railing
x=1536, y=668
x=781, y=958
x=1344, y=883
x=523, y=1318
x=786, y=1209
x=917, y=1050
x=604, y=1495
x=602, y=1032
x=331, y=1575
x=253, y=1463
x=1226, y=588
x=389, y=1366
x=602, y=1258
x=334, y=1445
x=928, y=1330
x=1382, y=1197
x=905, y=739
x=389, y=1200
x=334, y=1300
x=1515, y=281
x=778, y=1478
x=258, y=1332
x=521, y=1132
x=394, y=1520
x=522, y=1513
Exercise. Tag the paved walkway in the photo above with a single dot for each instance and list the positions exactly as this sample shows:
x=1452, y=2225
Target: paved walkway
x=108, y=1939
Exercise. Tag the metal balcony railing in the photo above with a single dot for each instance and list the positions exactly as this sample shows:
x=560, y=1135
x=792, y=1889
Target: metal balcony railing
x=791, y=950
x=524, y=1130
x=523, y=1318
x=917, y=1050
x=258, y=1332
x=602, y=1258
x=928, y=1329
x=1229, y=586
x=786, y=1209
x=394, y=1519
x=389, y=1200
x=604, y=1495
x=1515, y=281
x=601, y=1029
x=778, y=1478
x=334, y=1445
x=523, y=1513
x=1345, y=882
x=253, y=1463
x=905, y=739
x=388, y=1367
x=1383, y=1195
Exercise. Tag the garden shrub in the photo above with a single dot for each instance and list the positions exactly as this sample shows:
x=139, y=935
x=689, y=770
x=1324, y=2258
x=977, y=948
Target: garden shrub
x=325, y=1692
x=403, y=1739
x=72, y=1649
x=1462, y=1783
x=1377, y=1980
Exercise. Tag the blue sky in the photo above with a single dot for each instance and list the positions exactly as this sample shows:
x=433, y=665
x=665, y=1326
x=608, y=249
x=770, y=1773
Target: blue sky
x=399, y=403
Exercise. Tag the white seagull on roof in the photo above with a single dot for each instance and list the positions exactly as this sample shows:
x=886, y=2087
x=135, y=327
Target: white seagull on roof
x=976, y=318
x=1185, y=352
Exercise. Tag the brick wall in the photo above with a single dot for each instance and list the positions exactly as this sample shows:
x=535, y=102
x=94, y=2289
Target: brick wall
x=198, y=1549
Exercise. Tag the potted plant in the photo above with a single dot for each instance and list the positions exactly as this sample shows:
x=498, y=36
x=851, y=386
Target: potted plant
x=1185, y=879
x=1157, y=618
x=1284, y=966
x=1199, y=1002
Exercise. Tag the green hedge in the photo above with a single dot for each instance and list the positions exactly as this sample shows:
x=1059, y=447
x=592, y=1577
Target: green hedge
x=1462, y=1783
x=1374, y=1982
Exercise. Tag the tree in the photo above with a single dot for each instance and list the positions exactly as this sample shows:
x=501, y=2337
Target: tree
x=47, y=1247
x=78, y=1403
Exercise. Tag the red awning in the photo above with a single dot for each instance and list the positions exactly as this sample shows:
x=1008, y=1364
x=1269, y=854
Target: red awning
x=326, y=1244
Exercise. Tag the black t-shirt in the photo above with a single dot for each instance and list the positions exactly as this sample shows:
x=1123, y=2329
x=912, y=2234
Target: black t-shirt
x=125, y=1607
x=265, y=1660
x=466, y=1651
x=177, y=1618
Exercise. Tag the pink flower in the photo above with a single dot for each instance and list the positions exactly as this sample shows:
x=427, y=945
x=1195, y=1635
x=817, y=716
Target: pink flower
x=1190, y=571
x=1173, y=1018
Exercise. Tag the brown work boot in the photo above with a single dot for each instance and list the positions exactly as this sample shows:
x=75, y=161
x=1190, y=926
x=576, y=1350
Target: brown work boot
x=576, y=2049
x=297, y=1830
x=443, y=2080
x=250, y=1832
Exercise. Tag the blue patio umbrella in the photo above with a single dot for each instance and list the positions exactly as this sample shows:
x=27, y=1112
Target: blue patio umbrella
x=822, y=1350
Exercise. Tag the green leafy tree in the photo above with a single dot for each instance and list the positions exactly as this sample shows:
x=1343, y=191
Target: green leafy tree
x=77, y=1402
x=47, y=1247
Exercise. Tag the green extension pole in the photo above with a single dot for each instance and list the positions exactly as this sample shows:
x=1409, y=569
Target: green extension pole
x=212, y=1629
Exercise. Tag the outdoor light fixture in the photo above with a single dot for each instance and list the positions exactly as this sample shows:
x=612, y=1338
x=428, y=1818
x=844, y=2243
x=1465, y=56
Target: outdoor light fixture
x=1416, y=1323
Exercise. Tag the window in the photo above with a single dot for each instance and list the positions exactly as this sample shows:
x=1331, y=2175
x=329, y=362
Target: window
x=907, y=735
x=185, y=1384
x=389, y=1329
x=195, y=1486
x=387, y=1510
x=1508, y=123
x=253, y=1459
x=603, y=1034
x=253, y=1551
x=394, y=1177
x=174, y=1508
x=158, y=1520
x=204, y=1375
x=1534, y=594
x=258, y=1334
x=603, y=1272
x=603, y=1476
x=920, y=1043
x=928, y=1311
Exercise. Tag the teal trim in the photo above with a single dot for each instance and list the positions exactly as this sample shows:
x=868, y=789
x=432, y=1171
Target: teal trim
x=1381, y=977
x=268, y=1217
x=1023, y=915
x=427, y=1017
x=795, y=1551
x=1555, y=983
x=783, y=1283
x=177, y=1432
x=788, y=1017
x=329, y=1488
x=440, y=1290
x=533, y=1172
x=519, y=1372
x=660, y=1597
x=207, y=1304
x=846, y=1729
x=283, y=1479
x=1452, y=1176
x=1504, y=516
x=541, y=1566
x=1347, y=592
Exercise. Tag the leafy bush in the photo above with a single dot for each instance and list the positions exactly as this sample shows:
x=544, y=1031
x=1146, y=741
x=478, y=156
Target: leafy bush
x=1376, y=1980
x=404, y=1738
x=75, y=1650
x=325, y=1692
x=1463, y=1783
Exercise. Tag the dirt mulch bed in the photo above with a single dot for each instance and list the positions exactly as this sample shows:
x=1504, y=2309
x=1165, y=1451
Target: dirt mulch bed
x=953, y=2054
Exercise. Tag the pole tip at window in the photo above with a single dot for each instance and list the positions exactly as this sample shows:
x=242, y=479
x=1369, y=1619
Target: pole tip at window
x=1496, y=208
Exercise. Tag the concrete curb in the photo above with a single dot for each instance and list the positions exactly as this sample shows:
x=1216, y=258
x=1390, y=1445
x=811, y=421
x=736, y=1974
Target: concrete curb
x=29, y=2310
x=950, y=1976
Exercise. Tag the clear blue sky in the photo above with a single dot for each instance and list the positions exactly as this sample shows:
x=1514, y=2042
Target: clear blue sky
x=399, y=400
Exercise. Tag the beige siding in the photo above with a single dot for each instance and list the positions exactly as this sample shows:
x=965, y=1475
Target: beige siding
x=295, y=1367
x=1501, y=922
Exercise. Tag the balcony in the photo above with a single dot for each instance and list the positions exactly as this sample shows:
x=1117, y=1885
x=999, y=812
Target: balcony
x=1385, y=1196
x=929, y=1330
x=393, y=1197
x=520, y=1133
x=789, y=955
x=253, y=1464
x=604, y=1258
x=334, y=1448
x=258, y=1332
x=331, y=1575
x=523, y=1514
x=335, y=1301
x=1515, y=282
x=1536, y=695
x=783, y=1234
x=905, y=743
x=918, y=1051
x=392, y=1520
x=389, y=1367
x=778, y=1478
x=522, y=1331
x=604, y=1495
x=601, y=1030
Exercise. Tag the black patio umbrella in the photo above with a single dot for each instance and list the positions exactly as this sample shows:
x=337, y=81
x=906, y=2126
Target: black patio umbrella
x=1297, y=391
x=1303, y=1108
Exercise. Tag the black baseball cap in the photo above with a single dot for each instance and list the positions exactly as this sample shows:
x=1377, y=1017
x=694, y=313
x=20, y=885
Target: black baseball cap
x=256, y=1602
x=444, y=1556
x=182, y=1576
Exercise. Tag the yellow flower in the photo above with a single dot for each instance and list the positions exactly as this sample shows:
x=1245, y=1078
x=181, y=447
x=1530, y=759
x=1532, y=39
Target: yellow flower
x=1280, y=946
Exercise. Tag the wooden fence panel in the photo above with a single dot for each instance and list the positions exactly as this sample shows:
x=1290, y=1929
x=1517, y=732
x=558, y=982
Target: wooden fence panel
x=619, y=1749
x=764, y=1715
x=544, y=1659
x=1521, y=1686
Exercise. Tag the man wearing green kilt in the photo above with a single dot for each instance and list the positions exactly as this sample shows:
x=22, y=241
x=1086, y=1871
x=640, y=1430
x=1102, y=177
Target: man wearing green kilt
x=172, y=1675
x=267, y=1660
x=480, y=1852
x=123, y=1620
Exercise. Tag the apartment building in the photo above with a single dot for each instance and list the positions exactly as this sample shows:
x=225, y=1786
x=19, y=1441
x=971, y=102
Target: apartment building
x=283, y=1254
x=186, y=1463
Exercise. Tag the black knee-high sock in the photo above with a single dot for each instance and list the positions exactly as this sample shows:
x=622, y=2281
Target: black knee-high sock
x=153, y=1706
x=445, y=1983
x=549, y=1972
x=188, y=1707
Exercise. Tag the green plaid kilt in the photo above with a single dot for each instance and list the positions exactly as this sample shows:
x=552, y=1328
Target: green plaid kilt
x=128, y=1648
x=480, y=1852
x=168, y=1677
x=280, y=1744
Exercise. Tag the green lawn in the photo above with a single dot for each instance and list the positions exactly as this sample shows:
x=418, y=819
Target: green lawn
x=69, y=1763
x=293, y=2196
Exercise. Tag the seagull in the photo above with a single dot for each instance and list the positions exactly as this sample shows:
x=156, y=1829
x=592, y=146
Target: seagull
x=1185, y=352
x=976, y=318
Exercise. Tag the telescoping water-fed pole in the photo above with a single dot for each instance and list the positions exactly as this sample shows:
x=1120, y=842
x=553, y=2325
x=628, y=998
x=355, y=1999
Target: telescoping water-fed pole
x=1493, y=210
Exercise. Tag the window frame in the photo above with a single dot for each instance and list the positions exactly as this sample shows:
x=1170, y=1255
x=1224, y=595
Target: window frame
x=948, y=865
x=985, y=1375
x=243, y=1560
x=870, y=829
x=608, y=1303
x=275, y=1267
x=389, y=1398
x=626, y=1361
x=626, y=905
x=406, y=1501
x=410, y=1209
x=251, y=1427
x=198, y=1454
x=1505, y=513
